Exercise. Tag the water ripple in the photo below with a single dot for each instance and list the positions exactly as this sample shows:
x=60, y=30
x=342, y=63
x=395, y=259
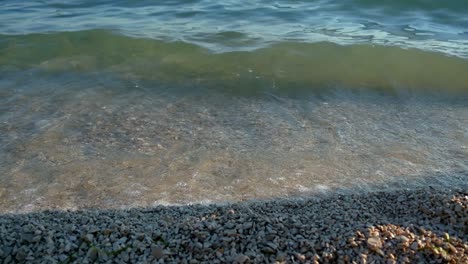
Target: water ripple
x=429, y=25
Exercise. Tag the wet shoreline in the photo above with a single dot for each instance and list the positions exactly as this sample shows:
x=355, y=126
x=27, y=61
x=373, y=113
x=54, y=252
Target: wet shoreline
x=93, y=141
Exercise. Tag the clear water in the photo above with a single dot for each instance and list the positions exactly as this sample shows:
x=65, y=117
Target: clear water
x=136, y=103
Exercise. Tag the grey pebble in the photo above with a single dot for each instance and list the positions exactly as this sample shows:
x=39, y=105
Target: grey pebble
x=241, y=259
x=92, y=253
x=157, y=252
x=88, y=238
x=22, y=253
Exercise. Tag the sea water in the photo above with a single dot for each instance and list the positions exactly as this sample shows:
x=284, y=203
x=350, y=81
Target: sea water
x=125, y=103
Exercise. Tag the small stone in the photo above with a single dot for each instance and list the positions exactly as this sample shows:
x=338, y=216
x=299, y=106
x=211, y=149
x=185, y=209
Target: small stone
x=247, y=225
x=363, y=258
x=207, y=244
x=301, y=257
x=125, y=256
x=446, y=237
x=374, y=243
x=88, y=238
x=157, y=252
x=22, y=253
x=6, y=250
x=403, y=238
x=268, y=250
x=92, y=253
x=229, y=225
x=452, y=249
x=198, y=245
x=281, y=257
x=67, y=247
x=241, y=259
x=232, y=232
x=122, y=240
x=62, y=257
x=27, y=237
x=272, y=245
x=425, y=210
x=414, y=246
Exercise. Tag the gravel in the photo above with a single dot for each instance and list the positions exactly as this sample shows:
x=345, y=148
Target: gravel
x=418, y=226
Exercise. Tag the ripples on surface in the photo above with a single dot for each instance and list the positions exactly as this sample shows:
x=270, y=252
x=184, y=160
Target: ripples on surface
x=431, y=25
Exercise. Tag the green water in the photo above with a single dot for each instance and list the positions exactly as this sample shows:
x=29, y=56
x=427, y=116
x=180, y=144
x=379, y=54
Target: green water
x=282, y=66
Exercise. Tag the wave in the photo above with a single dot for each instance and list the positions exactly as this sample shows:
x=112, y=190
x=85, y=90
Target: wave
x=281, y=66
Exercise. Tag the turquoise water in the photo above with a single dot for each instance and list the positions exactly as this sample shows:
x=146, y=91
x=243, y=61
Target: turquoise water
x=240, y=25
x=135, y=103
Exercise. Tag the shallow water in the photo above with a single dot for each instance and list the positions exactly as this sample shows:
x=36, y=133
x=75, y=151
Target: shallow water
x=94, y=141
x=132, y=103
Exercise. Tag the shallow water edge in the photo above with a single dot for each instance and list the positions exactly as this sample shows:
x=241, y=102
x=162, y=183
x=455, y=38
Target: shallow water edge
x=93, y=140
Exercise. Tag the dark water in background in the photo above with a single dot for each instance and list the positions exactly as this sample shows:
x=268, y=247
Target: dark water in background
x=135, y=103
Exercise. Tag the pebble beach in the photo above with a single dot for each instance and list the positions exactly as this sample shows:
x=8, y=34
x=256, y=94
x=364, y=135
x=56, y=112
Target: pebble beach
x=419, y=226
